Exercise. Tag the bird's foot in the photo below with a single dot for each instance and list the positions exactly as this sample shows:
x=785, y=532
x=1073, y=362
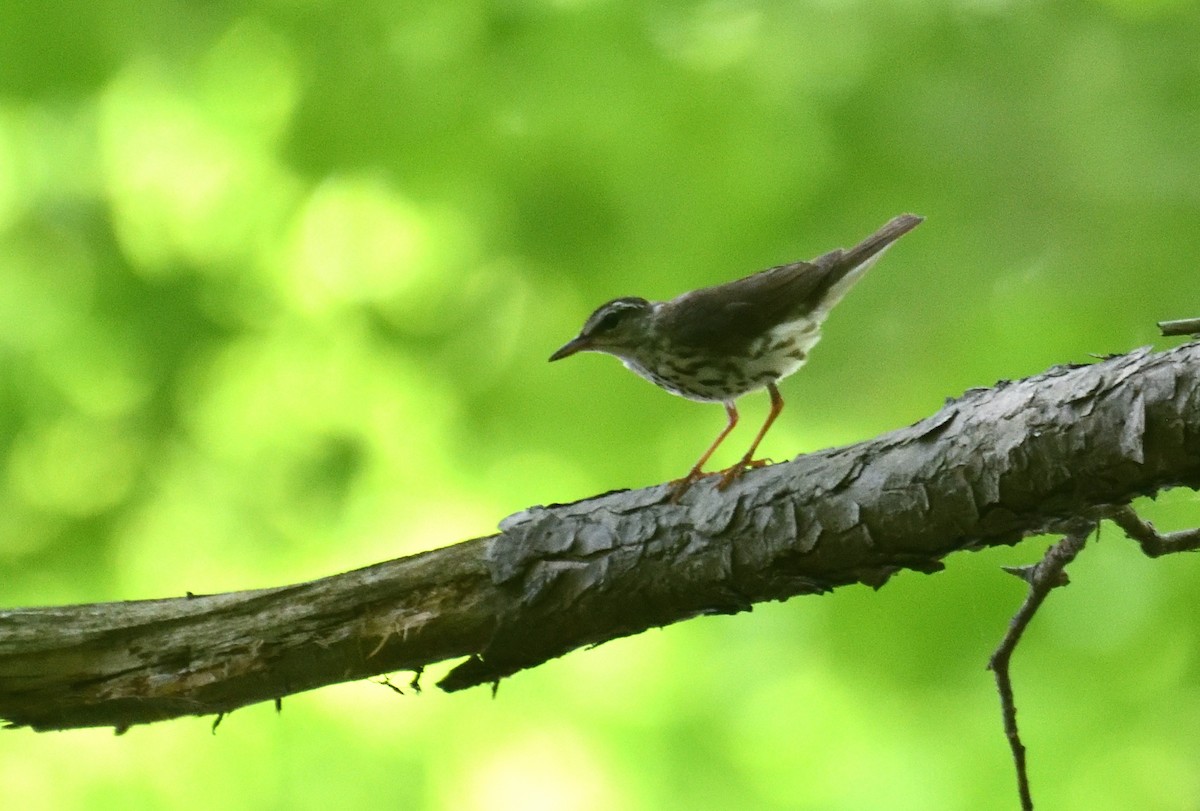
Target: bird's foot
x=729, y=474
x=681, y=486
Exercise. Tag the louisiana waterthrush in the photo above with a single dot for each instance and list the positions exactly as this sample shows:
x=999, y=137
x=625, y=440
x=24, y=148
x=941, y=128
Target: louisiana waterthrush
x=721, y=342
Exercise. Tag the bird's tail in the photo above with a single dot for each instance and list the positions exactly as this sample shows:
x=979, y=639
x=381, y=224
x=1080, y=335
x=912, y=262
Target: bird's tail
x=852, y=263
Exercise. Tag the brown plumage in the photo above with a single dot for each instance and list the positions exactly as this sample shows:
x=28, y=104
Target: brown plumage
x=718, y=343
x=728, y=317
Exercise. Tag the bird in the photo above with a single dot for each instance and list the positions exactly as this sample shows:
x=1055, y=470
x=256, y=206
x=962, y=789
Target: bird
x=718, y=343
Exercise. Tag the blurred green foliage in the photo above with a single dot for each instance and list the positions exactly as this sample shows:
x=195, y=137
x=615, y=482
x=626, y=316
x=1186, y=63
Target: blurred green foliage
x=277, y=286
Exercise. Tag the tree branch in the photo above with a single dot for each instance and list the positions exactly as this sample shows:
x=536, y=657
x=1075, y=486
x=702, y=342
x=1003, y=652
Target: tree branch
x=1184, y=326
x=1154, y=544
x=989, y=468
x=1043, y=577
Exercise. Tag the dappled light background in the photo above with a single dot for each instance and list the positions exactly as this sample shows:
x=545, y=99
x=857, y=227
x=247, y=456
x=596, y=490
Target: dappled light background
x=278, y=282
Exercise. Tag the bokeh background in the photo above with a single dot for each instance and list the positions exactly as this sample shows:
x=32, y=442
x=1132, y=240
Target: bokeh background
x=278, y=281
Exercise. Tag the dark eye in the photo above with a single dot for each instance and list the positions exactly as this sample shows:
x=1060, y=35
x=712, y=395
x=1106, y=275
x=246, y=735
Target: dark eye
x=609, y=321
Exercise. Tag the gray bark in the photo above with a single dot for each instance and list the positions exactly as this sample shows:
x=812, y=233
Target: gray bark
x=990, y=468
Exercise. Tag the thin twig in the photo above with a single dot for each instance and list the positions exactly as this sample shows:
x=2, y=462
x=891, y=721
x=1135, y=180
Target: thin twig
x=1042, y=578
x=1184, y=326
x=385, y=681
x=1154, y=543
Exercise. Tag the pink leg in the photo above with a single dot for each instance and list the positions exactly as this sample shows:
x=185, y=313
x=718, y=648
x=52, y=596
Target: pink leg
x=748, y=461
x=680, y=486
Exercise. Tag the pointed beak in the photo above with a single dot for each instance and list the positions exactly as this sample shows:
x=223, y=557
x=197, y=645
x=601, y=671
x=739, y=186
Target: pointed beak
x=577, y=344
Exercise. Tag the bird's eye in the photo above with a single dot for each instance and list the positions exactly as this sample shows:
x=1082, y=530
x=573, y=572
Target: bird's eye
x=609, y=321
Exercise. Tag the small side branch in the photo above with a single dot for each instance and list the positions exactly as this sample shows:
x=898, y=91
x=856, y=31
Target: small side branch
x=1184, y=326
x=1042, y=578
x=1154, y=543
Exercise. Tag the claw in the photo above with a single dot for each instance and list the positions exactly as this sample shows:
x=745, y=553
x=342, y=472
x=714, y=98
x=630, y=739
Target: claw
x=733, y=472
x=681, y=486
x=728, y=476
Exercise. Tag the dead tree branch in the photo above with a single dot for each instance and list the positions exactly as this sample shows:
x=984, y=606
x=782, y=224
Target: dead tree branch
x=1028, y=457
x=1043, y=577
x=1154, y=544
x=1184, y=326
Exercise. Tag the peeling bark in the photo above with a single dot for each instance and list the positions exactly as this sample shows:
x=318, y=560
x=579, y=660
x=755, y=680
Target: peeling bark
x=989, y=468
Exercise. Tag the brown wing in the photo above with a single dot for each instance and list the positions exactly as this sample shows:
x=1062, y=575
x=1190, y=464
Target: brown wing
x=729, y=316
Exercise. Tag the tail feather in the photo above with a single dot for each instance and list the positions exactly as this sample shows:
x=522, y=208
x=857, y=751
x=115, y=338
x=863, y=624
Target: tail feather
x=853, y=263
x=875, y=244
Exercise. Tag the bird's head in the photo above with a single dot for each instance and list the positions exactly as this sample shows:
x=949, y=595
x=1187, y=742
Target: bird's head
x=618, y=327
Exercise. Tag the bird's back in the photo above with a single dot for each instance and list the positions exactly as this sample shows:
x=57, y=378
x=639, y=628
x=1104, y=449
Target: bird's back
x=727, y=318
